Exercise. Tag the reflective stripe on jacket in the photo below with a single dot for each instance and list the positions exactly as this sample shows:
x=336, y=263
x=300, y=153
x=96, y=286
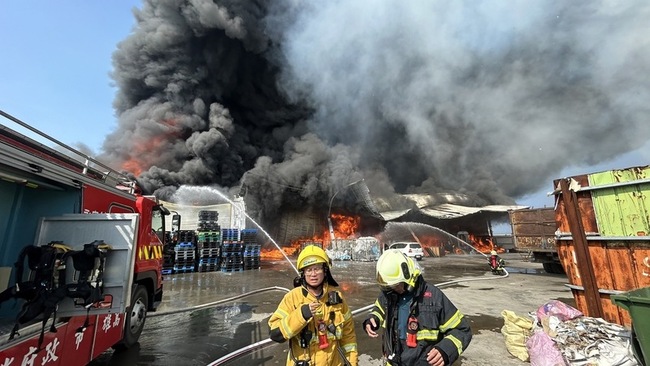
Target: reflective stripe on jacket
x=441, y=325
x=289, y=320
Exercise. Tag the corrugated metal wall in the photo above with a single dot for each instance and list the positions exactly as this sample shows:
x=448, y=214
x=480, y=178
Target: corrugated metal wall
x=293, y=225
x=613, y=212
x=622, y=210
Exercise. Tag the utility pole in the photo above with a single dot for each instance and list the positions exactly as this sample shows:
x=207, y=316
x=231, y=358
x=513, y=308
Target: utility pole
x=329, y=211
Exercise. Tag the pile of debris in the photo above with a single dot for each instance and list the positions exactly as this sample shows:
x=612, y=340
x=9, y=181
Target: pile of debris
x=558, y=334
x=364, y=249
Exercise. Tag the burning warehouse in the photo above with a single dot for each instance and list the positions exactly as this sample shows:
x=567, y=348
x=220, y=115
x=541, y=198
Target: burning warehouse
x=352, y=213
x=287, y=103
x=431, y=220
x=447, y=217
x=448, y=112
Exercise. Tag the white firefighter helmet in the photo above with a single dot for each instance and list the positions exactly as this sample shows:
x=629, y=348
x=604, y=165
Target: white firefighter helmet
x=394, y=267
x=494, y=252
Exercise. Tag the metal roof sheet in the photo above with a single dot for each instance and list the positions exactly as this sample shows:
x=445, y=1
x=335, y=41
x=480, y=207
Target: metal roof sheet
x=392, y=215
x=449, y=211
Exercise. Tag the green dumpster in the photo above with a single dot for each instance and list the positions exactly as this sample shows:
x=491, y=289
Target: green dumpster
x=637, y=303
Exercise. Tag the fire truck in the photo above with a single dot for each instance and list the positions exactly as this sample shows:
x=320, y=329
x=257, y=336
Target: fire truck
x=52, y=195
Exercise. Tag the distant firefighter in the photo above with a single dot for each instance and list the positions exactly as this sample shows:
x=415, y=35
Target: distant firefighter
x=496, y=263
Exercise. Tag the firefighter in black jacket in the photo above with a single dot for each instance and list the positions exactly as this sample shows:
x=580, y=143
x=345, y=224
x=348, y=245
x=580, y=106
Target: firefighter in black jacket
x=421, y=325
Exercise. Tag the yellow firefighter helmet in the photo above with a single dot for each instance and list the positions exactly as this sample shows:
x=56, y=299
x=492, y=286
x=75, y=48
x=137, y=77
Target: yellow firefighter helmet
x=312, y=254
x=394, y=267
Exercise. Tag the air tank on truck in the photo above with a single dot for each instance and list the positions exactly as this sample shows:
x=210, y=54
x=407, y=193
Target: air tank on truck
x=81, y=252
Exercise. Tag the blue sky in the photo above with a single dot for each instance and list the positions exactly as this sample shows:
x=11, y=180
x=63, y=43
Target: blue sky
x=55, y=65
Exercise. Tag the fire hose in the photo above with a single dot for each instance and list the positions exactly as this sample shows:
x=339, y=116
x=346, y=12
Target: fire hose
x=243, y=350
x=266, y=342
x=342, y=353
x=214, y=303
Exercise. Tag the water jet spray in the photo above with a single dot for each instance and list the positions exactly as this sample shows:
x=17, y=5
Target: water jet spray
x=200, y=189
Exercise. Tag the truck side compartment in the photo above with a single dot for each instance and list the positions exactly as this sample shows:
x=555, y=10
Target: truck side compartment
x=60, y=194
x=22, y=205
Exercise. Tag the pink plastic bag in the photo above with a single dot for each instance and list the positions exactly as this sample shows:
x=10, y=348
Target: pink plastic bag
x=558, y=309
x=543, y=351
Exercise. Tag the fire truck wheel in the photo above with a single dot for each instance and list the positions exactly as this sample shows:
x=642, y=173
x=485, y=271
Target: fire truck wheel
x=135, y=319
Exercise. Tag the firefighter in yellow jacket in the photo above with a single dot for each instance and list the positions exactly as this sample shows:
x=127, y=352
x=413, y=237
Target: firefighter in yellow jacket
x=314, y=317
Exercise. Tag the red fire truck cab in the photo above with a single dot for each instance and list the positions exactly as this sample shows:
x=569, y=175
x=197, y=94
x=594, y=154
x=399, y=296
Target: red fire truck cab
x=60, y=195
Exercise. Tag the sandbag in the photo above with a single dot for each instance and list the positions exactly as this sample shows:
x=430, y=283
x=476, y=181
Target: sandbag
x=516, y=330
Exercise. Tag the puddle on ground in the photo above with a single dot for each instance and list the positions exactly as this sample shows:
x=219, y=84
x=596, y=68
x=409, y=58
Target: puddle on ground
x=525, y=270
x=485, y=322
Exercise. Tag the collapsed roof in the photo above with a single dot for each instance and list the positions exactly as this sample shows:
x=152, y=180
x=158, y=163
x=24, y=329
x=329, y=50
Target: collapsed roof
x=452, y=211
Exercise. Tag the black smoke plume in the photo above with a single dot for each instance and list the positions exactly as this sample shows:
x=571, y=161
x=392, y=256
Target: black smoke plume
x=290, y=101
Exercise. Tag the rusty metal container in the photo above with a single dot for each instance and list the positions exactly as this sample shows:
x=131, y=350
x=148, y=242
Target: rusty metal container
x=534, y=232
x=603, y=237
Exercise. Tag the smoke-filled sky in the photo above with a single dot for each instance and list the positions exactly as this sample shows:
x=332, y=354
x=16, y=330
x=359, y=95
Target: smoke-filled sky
x=293, y=100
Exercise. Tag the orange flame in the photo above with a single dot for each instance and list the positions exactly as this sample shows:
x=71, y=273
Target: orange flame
x=133, y=166
x=274, y=254
x=144, y=153
x=430, y=242
x=484, y=244
x=344, y=227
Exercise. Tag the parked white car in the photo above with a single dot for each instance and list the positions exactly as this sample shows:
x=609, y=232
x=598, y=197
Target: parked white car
x=411, y=249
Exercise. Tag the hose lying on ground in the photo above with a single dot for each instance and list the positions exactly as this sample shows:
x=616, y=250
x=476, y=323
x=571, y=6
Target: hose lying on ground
x=218, y=302
x=266, y=342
